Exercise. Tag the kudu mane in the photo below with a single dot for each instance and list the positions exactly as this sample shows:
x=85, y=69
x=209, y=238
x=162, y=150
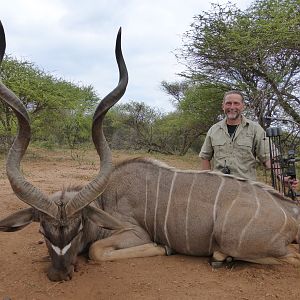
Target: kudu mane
x=160, y=164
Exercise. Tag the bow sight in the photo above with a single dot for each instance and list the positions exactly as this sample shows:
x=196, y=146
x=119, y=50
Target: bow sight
x=283, y=168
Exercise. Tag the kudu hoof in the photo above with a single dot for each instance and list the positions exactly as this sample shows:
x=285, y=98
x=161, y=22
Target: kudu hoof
x=168, y=250
x=219, y=264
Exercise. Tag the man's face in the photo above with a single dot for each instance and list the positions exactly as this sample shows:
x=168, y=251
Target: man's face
x=233, y=106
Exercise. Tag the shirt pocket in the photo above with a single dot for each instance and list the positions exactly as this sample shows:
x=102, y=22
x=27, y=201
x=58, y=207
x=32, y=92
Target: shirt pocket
x=220, y=148
x=245, y=147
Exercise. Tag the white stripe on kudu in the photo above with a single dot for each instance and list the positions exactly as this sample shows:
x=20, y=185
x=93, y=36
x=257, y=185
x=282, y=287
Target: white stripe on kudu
x=146, y=203
x=168, y=208
x=215, y=212
x=187, y=215
x=217, y=198
x=252, y=219
x=156, y=203
x=282, y=227
x=228, y=211
x=284, y=223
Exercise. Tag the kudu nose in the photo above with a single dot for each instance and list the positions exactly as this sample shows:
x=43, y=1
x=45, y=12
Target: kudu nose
x=59, y=275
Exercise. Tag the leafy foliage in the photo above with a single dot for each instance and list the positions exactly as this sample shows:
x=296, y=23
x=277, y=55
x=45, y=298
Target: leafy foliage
x=256, y=51
x=134, y=126
x=60, y=110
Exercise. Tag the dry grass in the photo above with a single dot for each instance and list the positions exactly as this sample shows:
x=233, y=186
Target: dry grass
x=89, y=159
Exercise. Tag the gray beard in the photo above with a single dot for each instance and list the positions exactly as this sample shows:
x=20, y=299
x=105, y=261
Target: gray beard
x=236, y=116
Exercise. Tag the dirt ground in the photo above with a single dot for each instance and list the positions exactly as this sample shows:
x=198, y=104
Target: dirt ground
x=23, y=271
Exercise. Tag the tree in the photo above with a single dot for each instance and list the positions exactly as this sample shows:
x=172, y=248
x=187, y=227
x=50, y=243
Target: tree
x=53, y=103
x=256, y=51
x=198, y=109
x=176, y=133
x=133, y=124
x=176, y=90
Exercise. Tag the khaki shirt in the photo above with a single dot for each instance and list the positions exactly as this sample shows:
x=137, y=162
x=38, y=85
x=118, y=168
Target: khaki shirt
x=240, y=151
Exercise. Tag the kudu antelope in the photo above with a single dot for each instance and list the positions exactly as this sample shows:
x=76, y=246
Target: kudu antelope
x=143, y=207
x=67, y=221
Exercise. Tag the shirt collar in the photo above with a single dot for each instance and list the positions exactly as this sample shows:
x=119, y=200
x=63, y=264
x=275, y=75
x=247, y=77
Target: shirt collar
x=244, y=122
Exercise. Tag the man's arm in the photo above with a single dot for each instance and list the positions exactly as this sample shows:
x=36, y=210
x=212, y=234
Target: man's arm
x=286, y=179
x=267, y=164
x=205, y=164
x=206, y=152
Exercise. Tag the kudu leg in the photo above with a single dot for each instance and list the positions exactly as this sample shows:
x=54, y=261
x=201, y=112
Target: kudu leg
x=125, y=245
x=219, y=256
x=292, y=257
x=110, y=254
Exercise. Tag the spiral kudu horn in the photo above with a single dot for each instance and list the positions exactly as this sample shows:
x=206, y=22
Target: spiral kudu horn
x=98, y=184
x=22, y=188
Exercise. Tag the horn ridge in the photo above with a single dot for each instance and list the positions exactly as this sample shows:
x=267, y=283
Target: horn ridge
x=24, y=190
x=98, y=184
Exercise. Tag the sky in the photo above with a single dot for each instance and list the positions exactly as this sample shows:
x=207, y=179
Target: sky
x=75, y=40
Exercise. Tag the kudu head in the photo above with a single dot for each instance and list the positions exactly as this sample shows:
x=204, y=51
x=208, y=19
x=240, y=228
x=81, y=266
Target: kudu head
x=67, y=220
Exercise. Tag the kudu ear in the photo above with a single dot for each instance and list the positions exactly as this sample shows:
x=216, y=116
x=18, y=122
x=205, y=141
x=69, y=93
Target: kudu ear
x=103, y=219
x=18, y=220
x=2, y=42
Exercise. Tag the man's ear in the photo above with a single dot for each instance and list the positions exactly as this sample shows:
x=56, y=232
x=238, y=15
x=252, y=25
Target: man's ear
x=103, y=219
x=18, y=220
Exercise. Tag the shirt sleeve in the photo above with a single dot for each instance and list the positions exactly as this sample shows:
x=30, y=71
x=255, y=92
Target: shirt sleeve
x=262, y=145
x=207, y=150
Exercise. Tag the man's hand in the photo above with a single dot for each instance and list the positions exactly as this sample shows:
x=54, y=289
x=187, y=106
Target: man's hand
x=291, y=182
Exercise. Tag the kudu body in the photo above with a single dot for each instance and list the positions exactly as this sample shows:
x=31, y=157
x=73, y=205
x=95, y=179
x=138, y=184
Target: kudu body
x=143, y=207
x=197, y=213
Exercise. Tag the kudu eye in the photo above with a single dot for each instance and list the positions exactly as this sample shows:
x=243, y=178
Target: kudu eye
x=64, y=233
x=43, y=233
